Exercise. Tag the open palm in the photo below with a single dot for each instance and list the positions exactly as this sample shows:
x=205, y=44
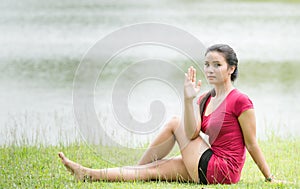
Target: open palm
x=191, y=89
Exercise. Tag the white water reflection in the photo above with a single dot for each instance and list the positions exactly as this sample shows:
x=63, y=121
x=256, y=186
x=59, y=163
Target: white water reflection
x=258, y=31
x=32, y=103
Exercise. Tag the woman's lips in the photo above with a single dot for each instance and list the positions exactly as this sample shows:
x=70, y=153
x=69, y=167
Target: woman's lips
x=210, y=77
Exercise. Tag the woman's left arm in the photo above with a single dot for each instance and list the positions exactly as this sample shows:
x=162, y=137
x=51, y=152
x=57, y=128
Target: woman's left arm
x=247, y=122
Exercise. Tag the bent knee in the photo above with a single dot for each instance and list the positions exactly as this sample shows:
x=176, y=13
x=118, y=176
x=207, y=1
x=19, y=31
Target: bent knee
x=174, y=122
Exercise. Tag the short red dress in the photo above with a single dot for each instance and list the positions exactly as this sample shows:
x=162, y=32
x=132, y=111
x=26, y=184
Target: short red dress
x=226, y=138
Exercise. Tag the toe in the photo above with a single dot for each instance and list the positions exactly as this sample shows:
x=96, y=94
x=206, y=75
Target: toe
x=61, y=155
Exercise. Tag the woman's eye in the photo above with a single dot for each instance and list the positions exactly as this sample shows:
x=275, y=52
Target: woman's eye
x=217, y=65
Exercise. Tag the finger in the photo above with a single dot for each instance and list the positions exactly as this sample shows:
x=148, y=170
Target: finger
x=198, y=86
x=199, y=83
x=190, y=73
x=194, y=75
x=186, y=77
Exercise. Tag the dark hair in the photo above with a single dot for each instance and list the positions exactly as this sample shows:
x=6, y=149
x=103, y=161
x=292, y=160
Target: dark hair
x=229, y=56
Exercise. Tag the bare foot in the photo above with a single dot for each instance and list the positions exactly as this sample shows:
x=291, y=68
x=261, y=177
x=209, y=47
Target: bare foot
x=80, y=172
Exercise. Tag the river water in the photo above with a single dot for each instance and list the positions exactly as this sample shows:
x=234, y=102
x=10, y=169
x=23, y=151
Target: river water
x=42, y=44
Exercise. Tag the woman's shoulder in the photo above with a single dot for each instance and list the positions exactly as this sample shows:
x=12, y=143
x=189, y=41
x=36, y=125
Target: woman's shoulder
x=238, y=95
x=240, y=102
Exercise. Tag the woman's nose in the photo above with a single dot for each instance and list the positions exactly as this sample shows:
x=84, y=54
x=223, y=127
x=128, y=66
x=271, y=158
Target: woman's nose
x=208, y=69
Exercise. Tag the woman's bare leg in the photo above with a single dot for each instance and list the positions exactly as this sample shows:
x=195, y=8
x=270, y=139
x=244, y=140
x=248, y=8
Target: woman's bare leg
x=191, y=150
x=187, y=166
x=169, y=169
x=161, y=145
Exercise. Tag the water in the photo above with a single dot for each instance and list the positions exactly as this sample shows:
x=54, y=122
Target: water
x=42, y=44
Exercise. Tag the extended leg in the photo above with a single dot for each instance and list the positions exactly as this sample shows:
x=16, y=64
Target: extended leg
x=186, y=167
x=169, y=169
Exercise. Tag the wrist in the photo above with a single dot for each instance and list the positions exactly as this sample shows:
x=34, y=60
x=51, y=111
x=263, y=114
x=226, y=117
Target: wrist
x=188, y=99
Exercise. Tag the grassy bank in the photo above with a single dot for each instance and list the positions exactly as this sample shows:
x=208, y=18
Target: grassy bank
x=39, y=167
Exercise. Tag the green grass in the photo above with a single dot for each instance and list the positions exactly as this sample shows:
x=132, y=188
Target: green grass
x=39, y=167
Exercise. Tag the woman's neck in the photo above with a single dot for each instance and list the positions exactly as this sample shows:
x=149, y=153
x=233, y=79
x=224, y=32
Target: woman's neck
x=223, y=89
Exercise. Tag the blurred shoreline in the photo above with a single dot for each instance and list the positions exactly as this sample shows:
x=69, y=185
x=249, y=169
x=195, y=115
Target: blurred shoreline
x=42, y=43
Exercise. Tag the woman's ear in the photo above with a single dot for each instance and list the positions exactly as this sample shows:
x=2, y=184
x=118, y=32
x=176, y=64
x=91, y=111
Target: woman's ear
x=232, y=68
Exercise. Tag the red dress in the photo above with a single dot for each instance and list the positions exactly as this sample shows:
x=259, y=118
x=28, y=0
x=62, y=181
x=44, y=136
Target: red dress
x=226, y=138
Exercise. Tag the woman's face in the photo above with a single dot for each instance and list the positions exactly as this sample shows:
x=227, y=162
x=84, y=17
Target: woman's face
x=216, y=68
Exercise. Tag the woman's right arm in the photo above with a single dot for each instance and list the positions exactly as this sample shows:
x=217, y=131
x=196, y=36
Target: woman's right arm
x=192, y=125
x=247, y=122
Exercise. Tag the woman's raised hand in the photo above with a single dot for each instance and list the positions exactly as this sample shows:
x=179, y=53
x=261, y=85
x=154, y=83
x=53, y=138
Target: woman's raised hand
x=191, y=89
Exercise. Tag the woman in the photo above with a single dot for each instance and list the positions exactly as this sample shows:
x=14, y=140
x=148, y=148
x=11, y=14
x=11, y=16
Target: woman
x=227, y=117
